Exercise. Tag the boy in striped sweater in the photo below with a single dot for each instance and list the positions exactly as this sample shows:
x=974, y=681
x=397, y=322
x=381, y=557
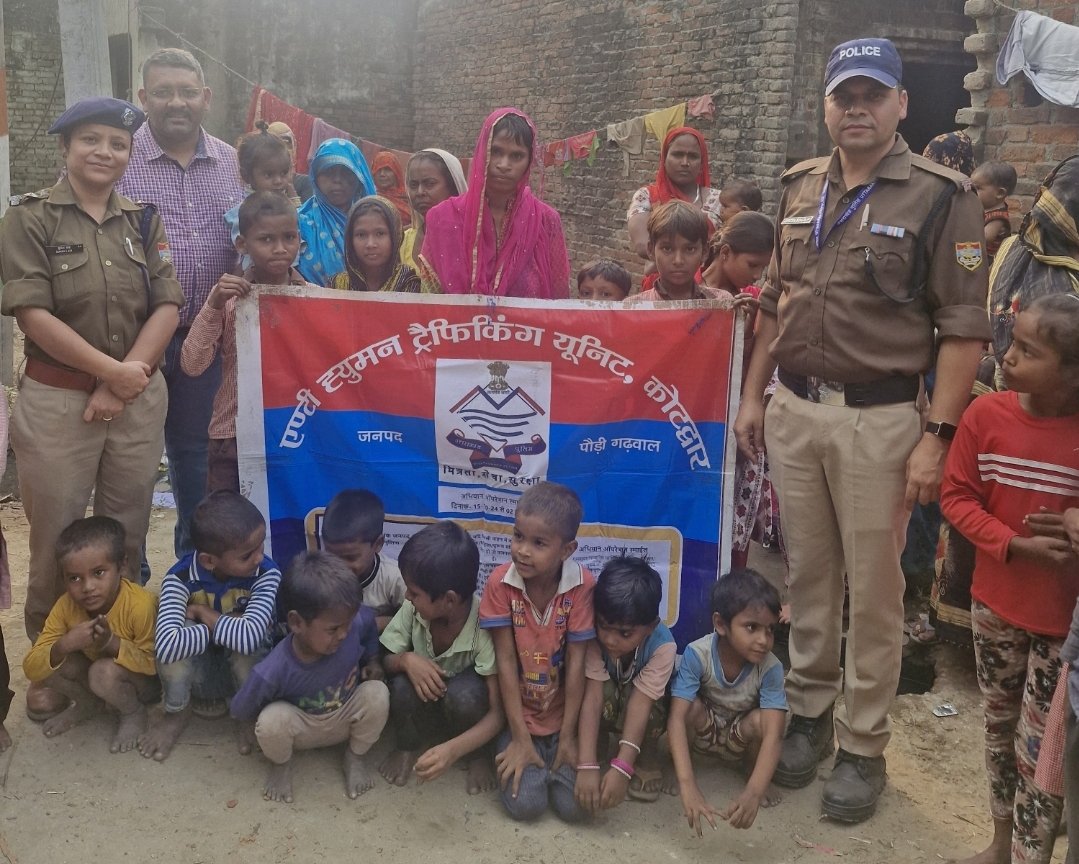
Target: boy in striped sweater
x=213, y=619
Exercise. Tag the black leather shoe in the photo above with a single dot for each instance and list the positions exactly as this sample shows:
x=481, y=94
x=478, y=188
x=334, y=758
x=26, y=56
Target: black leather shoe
x=808, y=740
x=851, y=793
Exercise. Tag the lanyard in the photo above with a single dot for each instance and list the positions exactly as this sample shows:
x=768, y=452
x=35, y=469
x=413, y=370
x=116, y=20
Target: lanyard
x=818, y=224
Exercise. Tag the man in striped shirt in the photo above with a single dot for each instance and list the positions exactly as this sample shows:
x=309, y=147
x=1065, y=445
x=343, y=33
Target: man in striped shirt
x=214, y=616
x=192, y=179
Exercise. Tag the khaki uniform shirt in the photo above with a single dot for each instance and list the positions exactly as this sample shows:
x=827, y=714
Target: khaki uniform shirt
x=54, y=256
x=834, y=322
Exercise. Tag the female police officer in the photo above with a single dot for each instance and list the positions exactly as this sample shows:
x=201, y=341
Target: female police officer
x=88, y=276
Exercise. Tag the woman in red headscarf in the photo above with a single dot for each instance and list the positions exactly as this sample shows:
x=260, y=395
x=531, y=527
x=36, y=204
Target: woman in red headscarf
x=390, y=184
x=497, y=238
x=682, y=176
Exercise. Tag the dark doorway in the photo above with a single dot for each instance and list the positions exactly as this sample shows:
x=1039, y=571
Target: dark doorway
x=936, y=93
x=120, y=61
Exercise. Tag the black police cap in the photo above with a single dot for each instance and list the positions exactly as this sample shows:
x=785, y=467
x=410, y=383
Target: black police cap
x=99, y=109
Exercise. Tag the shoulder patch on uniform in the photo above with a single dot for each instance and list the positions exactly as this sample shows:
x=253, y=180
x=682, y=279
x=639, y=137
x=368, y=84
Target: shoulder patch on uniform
x=164, y=252
x=804, y=168
x=969, y=255
x=928, y=165
x=40, y=195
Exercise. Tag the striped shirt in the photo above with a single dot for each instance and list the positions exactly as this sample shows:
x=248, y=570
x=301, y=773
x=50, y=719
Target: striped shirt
x=247, y=607
x=192, y=203
x=1003, y=465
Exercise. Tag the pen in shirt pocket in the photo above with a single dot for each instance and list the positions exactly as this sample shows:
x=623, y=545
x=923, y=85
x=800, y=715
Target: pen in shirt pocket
x=131, y=249
x=865, y=218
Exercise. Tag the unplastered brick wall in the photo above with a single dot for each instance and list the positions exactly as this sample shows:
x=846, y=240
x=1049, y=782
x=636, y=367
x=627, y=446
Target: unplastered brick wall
x=35, y=91
x=579, y=66
x=1012, y=122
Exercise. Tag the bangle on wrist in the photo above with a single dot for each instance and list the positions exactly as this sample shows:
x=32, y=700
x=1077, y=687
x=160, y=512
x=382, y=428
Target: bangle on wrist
x=623, y=768
x=588, y=766
x=629, y=744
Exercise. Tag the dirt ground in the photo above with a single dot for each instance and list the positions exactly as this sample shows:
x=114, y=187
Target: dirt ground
x=68, y=799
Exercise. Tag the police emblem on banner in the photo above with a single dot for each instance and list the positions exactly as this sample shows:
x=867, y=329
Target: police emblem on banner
x=969, y=255
x=496, y=427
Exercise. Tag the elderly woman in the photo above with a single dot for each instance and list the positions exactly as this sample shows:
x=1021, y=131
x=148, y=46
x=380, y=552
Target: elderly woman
x=88, y=276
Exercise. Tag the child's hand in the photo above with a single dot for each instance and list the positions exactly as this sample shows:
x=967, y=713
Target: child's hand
x=1051, y=552
x=566, y=754
x=746, y=303
x=78, y=638
x=102, y=633
x=227, y=287
x=372, y=672
x=511, y=763
x=1046, y=523
x=696, y=809
x=587, y=790
x=613, y=789
x=741, y=812
x=427, y=677
x=435, y=762
x=1071, y=527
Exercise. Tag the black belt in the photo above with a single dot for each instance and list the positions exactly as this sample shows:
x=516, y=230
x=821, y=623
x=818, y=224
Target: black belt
x=883, y=391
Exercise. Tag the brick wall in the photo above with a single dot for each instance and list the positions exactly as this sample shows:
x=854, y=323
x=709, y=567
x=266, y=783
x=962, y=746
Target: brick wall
x=35, y=91
x=1013, y=123
x=575, y=67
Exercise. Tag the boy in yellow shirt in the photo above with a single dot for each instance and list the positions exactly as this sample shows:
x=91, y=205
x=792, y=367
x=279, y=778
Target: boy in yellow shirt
x=98, y=641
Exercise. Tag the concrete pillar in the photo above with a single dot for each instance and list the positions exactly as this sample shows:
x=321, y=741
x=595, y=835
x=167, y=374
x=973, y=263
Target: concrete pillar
x=84, y=44
x=7, y=323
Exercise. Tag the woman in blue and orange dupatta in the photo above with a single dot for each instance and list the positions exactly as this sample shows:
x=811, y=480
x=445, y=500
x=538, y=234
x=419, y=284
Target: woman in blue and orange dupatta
x=498, y=238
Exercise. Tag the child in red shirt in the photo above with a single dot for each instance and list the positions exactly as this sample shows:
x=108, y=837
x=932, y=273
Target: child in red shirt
x=539, y=611
x=1012, y=471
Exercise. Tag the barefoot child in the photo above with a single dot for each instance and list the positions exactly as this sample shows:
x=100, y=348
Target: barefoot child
x=538, y=608
x=603, y=280
x=442, y=665
x=1015, y=454
x=98, y=641
x=352, y=530
x=214, y=617
x=727, y=700
x=677, y=237
x=372, y=259
x=627, y=670
x=322, y=684
x=270, y=238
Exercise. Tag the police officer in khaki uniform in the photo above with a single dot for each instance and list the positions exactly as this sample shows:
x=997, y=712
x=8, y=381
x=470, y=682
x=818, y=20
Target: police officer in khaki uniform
x=878, y=275
x=87, y=275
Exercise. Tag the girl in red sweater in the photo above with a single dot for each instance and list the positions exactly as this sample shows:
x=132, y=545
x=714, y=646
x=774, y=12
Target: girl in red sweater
x=1014, y=462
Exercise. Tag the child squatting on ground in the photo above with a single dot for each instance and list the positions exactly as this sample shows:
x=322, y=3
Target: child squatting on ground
x=444, y=682
x=1010, y=475
x=322, y=684
x=538, y=608
x=97, y=644
x=352, y=530
x=627, y=669
x=214, y=615
x=728, y=701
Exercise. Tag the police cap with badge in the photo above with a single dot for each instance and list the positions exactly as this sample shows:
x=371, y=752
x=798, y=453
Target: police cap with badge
x=99, y=109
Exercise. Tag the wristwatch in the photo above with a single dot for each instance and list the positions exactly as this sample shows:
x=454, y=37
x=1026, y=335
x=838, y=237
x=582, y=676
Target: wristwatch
x=946, y=431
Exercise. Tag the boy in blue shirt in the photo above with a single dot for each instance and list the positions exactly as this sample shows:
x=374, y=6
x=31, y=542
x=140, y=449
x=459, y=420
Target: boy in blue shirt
x=728, y=699
x=627, y=670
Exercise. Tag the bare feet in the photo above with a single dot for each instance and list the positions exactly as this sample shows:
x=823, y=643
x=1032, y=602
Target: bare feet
x=999, y=851
x=668, y=783
x=5, y=738
x=397, y=767
x=481, y=776
x=129, y=728
x=358, y=777
x=278, y=786
x=645, y=784
x=245, y=737
x=157, y=742
x=67, y=719
x=771, y=796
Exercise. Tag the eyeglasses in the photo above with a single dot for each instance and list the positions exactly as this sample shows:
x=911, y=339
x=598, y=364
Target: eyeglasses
x=187, y=94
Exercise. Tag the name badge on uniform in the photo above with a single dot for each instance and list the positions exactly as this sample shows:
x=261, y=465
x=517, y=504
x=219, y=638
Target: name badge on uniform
x=65, y=249
x=797, y=220
x=969, y=255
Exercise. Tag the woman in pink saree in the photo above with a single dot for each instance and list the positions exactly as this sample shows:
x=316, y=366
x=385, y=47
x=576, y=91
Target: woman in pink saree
x=498, y=238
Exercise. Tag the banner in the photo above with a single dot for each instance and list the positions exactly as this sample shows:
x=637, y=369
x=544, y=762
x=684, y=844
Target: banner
x=450, y=407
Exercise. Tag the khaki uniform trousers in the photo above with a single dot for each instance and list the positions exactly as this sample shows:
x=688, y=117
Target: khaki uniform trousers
x=840, y=474
x=62, y=459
